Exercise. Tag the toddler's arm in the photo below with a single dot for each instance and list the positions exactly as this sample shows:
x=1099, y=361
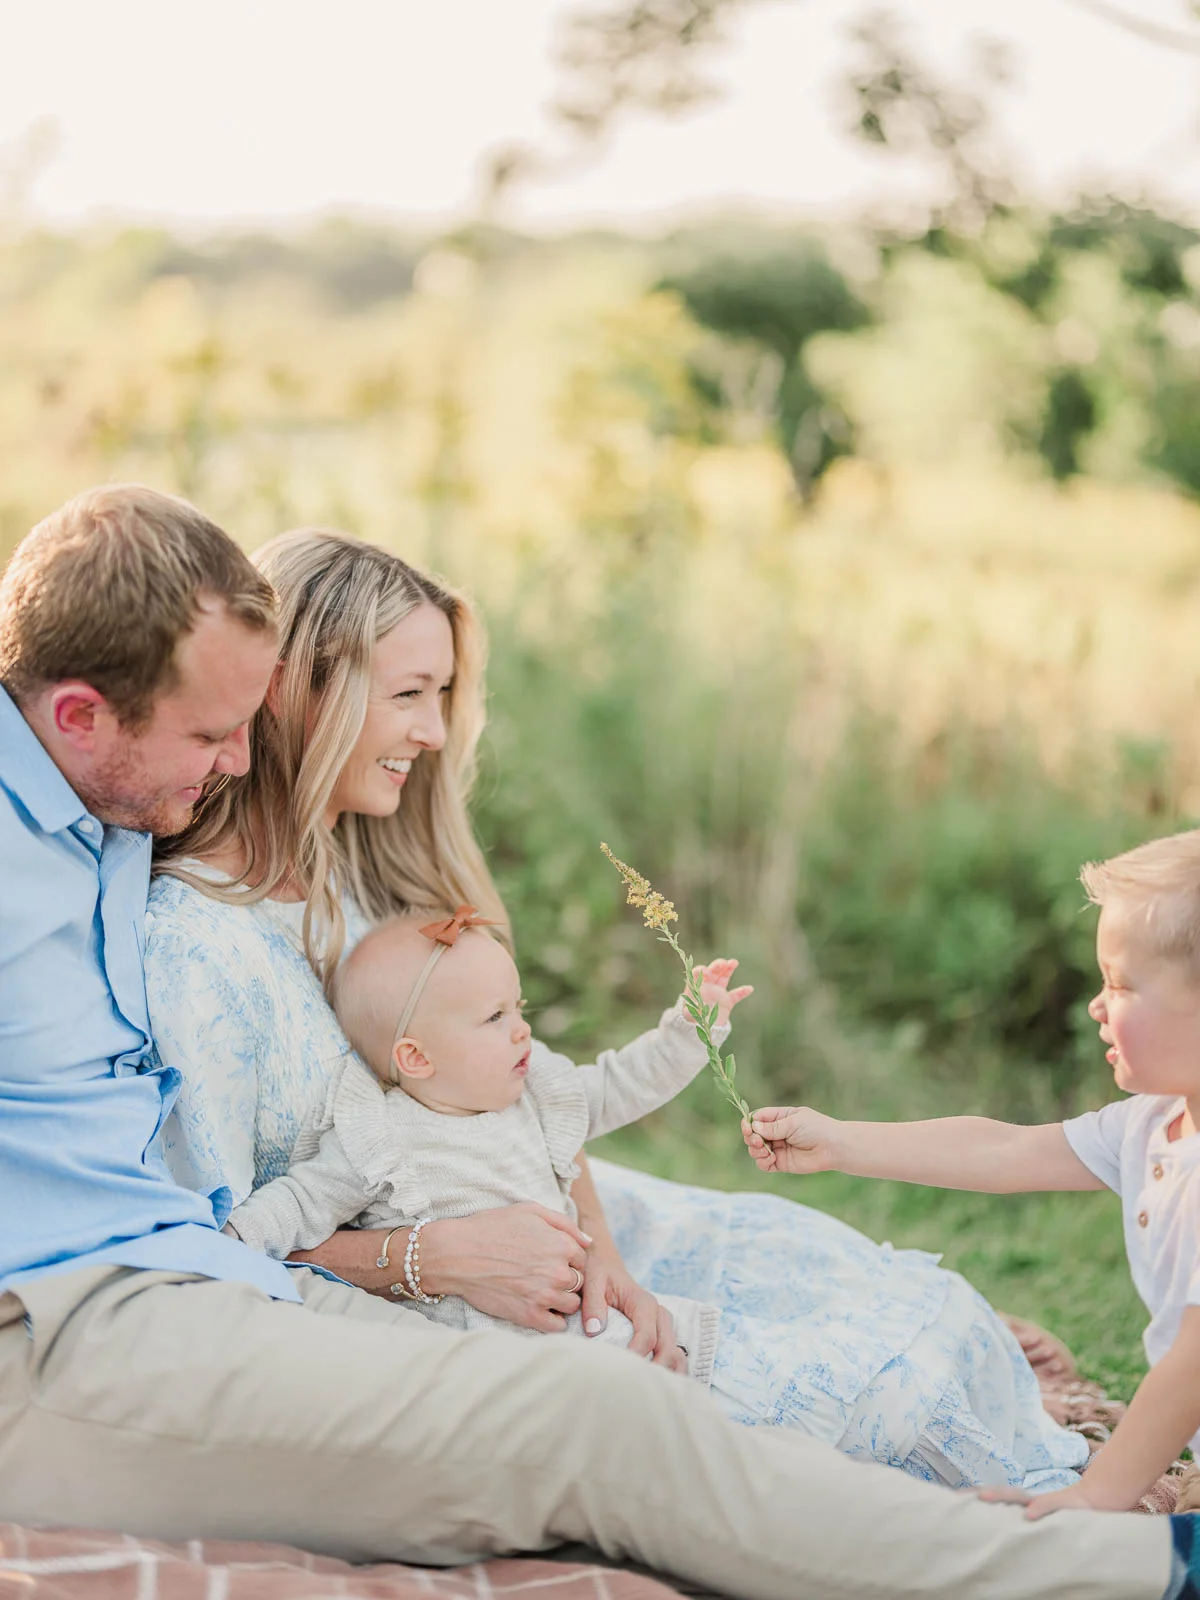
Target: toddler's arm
x=309, y=1203
x=1163, y=1415
x=948, y=1153
x=623, y=1085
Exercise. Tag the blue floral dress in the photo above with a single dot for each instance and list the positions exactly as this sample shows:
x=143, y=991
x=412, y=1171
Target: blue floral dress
x=879, y=1352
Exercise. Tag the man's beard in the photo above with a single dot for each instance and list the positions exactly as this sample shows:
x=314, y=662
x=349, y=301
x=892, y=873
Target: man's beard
x=120, y=795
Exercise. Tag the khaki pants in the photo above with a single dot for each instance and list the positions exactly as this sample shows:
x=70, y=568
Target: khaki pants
x=172, y=1406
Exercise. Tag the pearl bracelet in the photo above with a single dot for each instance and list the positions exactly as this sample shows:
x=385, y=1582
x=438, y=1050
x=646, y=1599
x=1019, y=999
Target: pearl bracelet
x=411, y=1288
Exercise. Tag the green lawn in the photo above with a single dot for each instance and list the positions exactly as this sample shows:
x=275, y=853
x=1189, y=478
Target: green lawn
x=1057, y=1258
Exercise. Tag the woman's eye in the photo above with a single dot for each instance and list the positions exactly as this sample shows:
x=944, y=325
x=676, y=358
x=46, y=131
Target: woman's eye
x=407, y=694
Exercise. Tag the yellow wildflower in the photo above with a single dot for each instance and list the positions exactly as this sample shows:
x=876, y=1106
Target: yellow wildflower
x=656, y=909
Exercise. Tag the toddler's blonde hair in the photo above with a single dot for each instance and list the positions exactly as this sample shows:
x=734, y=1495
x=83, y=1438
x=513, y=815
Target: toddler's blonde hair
x=1158, y=886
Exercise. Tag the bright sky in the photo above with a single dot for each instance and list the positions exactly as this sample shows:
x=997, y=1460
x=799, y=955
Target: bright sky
x=232, y=110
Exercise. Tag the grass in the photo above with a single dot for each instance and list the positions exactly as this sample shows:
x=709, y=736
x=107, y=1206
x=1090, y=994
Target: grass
x=1056, y=1258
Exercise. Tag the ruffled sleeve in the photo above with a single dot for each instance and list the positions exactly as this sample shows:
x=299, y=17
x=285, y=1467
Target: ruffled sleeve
x=555, y=1091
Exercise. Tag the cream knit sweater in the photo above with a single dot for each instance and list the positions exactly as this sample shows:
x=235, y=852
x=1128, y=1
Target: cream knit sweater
x=380, y=1159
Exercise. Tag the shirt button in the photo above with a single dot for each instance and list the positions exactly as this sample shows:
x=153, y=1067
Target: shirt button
x=1157, y=1169
x=1143, y=1219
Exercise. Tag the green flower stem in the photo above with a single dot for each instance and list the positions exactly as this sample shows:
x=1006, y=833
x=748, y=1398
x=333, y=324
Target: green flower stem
x=724, y=1068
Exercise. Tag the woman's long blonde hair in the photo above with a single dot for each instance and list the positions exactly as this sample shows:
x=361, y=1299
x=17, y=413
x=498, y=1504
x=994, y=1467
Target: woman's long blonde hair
x=337, y=598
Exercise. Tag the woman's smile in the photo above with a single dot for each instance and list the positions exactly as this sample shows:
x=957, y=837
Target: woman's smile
x=396, y=767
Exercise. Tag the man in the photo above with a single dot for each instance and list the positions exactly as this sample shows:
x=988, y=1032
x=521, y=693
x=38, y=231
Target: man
x=158, y=1376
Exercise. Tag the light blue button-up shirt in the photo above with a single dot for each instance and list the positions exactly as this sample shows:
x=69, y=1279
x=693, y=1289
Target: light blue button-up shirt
x=82, y=1092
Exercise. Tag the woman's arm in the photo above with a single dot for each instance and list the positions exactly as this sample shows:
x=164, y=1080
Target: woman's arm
x=515, y=1262
x=608, y=1283
x=947, y=1153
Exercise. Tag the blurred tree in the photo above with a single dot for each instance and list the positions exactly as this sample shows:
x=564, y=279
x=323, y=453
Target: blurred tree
x=898, y=102
x=1070, y=415
x=647, y=55
x=778, y=298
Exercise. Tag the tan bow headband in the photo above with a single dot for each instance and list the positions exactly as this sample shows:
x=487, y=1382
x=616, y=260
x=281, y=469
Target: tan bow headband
x=444, y=935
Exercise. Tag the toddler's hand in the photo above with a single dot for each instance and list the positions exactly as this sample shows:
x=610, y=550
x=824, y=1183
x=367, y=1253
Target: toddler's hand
x=791, y=1139
x=1076, y=1498
x=714, y=987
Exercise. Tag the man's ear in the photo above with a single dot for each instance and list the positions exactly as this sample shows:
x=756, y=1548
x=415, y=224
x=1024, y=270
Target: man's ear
x=77, y=712
x=409, y=1060
x=274, y=692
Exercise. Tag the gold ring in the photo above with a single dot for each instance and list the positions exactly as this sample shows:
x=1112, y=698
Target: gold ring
x=578, y=1284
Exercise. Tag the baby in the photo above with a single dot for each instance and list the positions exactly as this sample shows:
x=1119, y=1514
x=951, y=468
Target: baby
x=1145, y=1148
x=457, y=1110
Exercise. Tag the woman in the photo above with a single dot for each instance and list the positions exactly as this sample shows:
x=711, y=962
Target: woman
x=354, y=808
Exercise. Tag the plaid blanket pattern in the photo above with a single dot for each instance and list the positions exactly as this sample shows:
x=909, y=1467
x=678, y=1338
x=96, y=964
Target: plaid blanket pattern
x=69, y=1564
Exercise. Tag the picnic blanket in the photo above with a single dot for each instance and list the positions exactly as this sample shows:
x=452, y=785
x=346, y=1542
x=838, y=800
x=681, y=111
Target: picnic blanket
x=82, y=1564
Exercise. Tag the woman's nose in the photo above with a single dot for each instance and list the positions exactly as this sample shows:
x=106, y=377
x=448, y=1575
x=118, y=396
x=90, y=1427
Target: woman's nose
x=430, y=729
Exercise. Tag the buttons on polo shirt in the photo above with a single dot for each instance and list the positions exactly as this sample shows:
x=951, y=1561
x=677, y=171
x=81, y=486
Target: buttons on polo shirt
x=89, y=827
x=1157, y=1169
x=1143, y=1219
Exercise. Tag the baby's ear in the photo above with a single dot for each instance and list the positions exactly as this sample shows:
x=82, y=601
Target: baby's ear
x=409, y=1060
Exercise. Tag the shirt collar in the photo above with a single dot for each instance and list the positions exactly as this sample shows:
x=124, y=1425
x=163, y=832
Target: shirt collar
x=1159, y=1146
x=31, y=777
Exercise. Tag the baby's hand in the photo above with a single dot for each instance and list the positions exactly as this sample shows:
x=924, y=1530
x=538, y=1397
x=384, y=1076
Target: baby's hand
x=791, y=1139
x=714, y=988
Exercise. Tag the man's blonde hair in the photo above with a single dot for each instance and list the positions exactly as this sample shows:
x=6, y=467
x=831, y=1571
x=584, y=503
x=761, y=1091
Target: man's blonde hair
x=337, y=599
x=103, y=590
x=1158, y=886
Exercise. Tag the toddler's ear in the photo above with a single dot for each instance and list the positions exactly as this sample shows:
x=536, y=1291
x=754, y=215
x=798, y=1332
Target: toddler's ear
x=409, y=1060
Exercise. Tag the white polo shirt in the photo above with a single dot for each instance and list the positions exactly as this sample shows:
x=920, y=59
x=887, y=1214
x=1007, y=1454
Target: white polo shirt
x=1126, y=1146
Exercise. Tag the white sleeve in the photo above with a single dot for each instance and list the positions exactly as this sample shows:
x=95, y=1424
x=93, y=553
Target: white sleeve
x=623, y=1085
x=207, y=1025
x=310, y=1202
x=1097, y=1138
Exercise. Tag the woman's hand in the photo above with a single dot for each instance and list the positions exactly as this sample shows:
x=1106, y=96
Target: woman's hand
x=520, y=1263
x=608, y=1283
x=791, y=1139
